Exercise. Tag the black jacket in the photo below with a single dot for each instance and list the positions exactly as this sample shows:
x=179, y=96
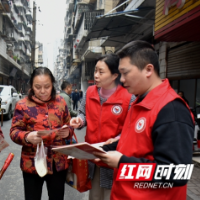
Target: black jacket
x=169, y=146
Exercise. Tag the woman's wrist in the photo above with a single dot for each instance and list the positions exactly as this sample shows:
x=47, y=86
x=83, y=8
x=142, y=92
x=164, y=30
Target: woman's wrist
x=81, y=122
x=25, y=138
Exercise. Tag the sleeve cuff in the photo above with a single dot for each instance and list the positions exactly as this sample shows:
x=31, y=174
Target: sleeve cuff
x=25, y=141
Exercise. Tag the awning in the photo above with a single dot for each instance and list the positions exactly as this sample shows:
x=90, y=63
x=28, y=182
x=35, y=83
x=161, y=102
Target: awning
x=184, y=28
x=113, y=41
x=117, y=24
x=92, y=53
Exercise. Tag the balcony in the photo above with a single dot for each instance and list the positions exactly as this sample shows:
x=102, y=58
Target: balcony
x=8, y=19
x=86, y=1
x=40, y=61
x=21, y=39
x=84, y=27
x=4, y=6
x=29, y=16
x=27, y=38
x=91, y=50
x=23, y=57
x=21, y=13
x=71, y=5
x=21, y=29
x=15, y=35
x=20, y=47
x=28, y=31
x=6, y=32
x=69, y=29
x=80, y=37
x=28, y=46
x=28, y=53
x=9, y=34
x=19, y=3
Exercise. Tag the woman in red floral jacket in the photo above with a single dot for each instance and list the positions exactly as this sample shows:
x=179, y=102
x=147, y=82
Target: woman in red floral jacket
x=42, y=110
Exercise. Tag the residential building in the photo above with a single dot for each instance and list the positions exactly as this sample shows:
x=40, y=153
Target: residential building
x=95, y=27
x=60, y=70
x=15, y=43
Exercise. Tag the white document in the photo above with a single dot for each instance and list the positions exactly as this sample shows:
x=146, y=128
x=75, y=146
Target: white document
x=80, y=150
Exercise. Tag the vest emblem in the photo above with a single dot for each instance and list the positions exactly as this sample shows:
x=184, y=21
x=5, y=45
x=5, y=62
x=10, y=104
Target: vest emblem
x=117, y=110
x=140, y=125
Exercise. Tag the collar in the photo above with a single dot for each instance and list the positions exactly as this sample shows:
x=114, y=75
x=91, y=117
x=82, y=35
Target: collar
x=35, y=99
x=114, y=98
x=152, y=96
x=65, y=93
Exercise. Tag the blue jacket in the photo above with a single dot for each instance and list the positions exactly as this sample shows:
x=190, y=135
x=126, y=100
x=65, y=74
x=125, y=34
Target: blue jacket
x=75, y=96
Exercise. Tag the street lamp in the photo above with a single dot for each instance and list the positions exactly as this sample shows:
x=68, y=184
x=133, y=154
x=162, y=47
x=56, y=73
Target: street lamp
x=33, y=36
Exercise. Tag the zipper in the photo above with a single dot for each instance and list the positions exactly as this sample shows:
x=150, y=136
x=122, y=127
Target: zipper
x=100, y=125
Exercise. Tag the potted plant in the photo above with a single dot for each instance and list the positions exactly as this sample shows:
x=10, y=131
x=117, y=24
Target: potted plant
x=15, y=58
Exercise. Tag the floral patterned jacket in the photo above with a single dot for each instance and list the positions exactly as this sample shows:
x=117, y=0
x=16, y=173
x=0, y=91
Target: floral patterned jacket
x=33, y=116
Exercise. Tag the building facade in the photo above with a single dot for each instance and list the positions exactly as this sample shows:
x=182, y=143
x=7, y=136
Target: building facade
x=60, y=70
x=177, y=35
x=15, y=43
x=96, y=27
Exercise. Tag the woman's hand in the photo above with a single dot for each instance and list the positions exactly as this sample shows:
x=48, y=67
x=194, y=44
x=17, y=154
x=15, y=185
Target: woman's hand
x=111, y=140
x=111, y=158
x=64, y=132
x=75, y=122
x=33, y=137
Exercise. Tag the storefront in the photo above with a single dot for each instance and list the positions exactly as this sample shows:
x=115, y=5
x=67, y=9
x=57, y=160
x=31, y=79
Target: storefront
x=176, y=23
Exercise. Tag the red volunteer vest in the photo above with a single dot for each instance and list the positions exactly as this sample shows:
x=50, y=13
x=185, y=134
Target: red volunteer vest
x=136, y=141
x=105, y=121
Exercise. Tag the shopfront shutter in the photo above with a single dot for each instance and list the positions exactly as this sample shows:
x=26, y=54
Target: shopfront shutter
x=184, y=61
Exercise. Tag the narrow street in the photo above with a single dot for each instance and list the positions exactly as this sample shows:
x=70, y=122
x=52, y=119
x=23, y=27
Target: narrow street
x=11, y=184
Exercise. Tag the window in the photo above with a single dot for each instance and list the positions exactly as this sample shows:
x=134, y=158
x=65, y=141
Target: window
x=89, y=68
x=4, y=91
x=12, y=91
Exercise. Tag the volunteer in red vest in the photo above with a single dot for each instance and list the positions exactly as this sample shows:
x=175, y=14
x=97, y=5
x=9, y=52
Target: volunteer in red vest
x=103, y=110
x=158, y=129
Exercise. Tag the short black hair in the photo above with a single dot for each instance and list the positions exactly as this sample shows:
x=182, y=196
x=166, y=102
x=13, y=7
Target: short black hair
x=112, y=61
x=42, y=71
x=140, y=53
x=65, y=84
